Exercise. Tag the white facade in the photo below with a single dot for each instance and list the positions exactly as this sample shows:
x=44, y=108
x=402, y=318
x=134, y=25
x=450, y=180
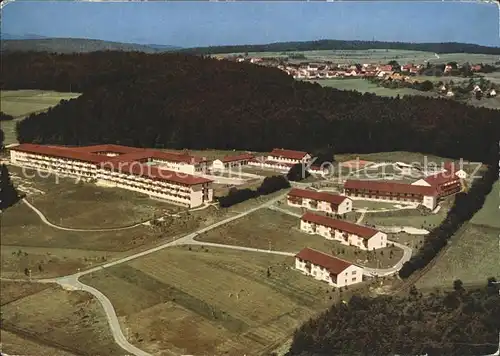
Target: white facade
x=288, y=160
x=183, y=167
x=274, y=165
x=351, y=275
x=311, y=204
x=189, y=195
x=379, y=240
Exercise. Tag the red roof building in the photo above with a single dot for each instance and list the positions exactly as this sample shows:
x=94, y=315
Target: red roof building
x=120, y=166
x=280, y=153
x=392, y=191
x=359, y=230
x=327, y=268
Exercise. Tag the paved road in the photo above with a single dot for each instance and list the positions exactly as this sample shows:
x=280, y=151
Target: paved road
x=71, y=282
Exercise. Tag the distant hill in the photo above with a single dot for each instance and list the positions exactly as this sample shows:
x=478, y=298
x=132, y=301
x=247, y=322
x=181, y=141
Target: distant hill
x=76, y=45
x=27, y=36
x=449, y=47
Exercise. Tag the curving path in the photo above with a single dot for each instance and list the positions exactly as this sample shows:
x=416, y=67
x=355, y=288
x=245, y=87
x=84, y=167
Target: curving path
x=72, y=282
x=47, y=222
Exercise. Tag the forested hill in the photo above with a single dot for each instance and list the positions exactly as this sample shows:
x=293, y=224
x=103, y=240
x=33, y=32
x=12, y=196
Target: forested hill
x=461, y=322
x=78, y=45
x=448, y=47
x=181, y=101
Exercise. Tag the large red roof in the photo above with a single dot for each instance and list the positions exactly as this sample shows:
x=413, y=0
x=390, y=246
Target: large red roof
x=318, y=196
x=333, y=264
x=241, y=157
x=280, y=152
x=59, y=152
x=361, y=231
x=387, y=187
x=129, y=161
x=441, y=178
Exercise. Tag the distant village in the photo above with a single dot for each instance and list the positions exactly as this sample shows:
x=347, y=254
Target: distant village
x=382, y=74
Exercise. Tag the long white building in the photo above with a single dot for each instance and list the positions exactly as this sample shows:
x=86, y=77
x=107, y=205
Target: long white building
x=330, y=269
x=281, y=159
x=346, y=233
x=130, y=168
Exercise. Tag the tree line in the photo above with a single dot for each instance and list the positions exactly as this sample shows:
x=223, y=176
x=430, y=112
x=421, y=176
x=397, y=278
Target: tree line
x=463, y=209
x=8, y=193
x=269, y=185
x=445, y=47
x=458, y=322
x=180, y=101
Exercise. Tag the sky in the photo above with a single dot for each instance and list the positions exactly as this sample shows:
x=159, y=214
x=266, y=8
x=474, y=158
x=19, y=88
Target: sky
x=193, y=23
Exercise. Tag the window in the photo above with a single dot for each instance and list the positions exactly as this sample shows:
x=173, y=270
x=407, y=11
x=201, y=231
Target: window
x=354, y=279
x=353, y=272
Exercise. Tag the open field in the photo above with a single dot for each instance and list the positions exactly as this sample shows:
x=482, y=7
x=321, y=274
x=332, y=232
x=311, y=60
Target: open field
x=57, y=322
x=396, y=156
x=471, y=257
x=364, y=86
x=21, y=103
x=379, y=56
x=219, y=302
x=268, y=229
x=73, y=204
x=407, y=217
x=490, y=212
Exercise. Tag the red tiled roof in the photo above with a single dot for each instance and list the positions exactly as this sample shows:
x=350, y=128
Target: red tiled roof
x=440, y=178
x=361, y=231
x=333, y=264
x=153, y=172
x=319, y=196
x=393, y=187
x=176, y=157
x=60, y=152
x=280, y=152
x=241, y=157
x=108, y=148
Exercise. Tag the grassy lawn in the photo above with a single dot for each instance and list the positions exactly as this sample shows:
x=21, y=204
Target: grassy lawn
x=406, y=217
x=364, y=86
x=220, y=302
x=71, y=204
x=396, y=156
x=53, y=320
x=373, y=205
x=489, y=213
x=472, y=257
x=261, y=172
x=266, y=229
x=21, y=103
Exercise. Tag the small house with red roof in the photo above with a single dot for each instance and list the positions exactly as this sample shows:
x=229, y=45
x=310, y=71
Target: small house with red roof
x=321, y=201
x=323, y=267
x=362, y=237
x=232, y=162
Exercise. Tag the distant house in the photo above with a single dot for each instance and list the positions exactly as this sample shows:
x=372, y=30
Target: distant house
x=492, y=93
x=320, y=201
x=312, y=67
x=476, y=89
x=281, y=159
x=450, y=93
x=362, y=237
x=323, y=267
x=475, y=68
x=443, y=88
x=448, y=68
x=229, y=162
x=385, y=68
x=406, y=67
x=255, y=60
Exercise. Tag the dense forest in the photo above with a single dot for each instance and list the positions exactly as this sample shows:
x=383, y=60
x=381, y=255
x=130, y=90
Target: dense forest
x=461, y=322
x=447, y=47
x=182, y=101
x=77, y=45
x=8, y=194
